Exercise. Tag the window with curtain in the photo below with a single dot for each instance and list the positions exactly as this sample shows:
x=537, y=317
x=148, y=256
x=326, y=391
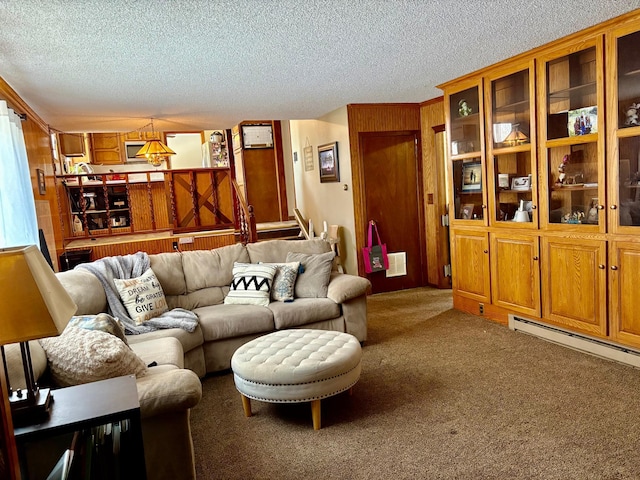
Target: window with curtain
x=18, y=221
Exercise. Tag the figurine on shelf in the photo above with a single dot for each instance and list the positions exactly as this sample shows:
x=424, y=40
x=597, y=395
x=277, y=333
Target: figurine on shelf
x=632, y=114
x=575, y=217
x=463, y=108
x=562, y=176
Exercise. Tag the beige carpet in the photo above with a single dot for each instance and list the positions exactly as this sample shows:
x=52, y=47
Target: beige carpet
x=443, y=395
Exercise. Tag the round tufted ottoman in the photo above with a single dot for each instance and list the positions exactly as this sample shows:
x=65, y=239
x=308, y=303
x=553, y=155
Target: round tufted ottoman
x=296, y=366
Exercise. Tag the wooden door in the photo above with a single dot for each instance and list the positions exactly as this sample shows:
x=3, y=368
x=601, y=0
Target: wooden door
x=394, y=201
x=574, y=283
x=625, y=301
x=515, y=270
x=470, y=264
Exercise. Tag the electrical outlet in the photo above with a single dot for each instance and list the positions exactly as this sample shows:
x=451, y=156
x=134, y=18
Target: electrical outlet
x=175, y=245
x=481, y=308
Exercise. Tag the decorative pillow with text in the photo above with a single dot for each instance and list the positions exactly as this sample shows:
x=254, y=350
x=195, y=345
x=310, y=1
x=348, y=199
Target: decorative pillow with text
x=142, y=296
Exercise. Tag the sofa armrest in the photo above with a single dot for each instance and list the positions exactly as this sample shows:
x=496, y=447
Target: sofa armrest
x=166, y=389
x=343, y=287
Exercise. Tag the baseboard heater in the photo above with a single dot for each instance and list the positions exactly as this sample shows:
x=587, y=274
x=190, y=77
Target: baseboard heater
x=577, y=341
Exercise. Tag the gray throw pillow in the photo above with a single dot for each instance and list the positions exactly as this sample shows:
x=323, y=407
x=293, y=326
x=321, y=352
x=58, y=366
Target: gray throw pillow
x=314, y=275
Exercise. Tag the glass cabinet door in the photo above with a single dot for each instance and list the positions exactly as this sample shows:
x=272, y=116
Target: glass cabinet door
x=624, y=120
x=511, y=150
x=466, y=130
x=572, y=126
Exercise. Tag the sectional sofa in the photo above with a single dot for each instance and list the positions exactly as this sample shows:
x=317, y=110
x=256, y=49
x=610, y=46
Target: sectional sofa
x=176, y=359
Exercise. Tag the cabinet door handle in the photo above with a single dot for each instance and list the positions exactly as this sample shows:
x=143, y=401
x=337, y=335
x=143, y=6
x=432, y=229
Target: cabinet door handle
x=613, y=207
x=613, y=267
x=535, y=258
x=533, y=207
x=601, y=267
x=484, y=207
x=601, y=207
x=486, y=251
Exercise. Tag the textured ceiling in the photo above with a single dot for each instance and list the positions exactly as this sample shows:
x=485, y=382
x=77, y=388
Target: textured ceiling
x=109, y=65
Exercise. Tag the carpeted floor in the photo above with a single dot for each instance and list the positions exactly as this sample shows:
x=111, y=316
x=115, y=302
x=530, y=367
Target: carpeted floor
x=443, y=395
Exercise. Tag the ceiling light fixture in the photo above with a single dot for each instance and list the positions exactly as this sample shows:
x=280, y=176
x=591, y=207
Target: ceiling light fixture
x=154, y=150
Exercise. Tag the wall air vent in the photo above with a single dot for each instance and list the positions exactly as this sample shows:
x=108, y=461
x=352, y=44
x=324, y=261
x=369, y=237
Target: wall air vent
x=577, y=341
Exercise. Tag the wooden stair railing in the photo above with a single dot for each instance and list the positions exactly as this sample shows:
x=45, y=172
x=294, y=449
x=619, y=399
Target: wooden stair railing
x=245, y=221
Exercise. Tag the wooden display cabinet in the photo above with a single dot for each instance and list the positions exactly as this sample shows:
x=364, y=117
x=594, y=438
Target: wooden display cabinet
x=623, y=155
x=511, y=147
x=465, y=130
x=624, y=127
x=576, y=266
x=571, y=118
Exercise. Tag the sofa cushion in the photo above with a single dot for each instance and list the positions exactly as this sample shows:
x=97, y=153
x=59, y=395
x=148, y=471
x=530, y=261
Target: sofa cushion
x=275, y=251
x=303, y=311
x=228, y=321
x=168, y=270
x=211, y=268
x=142, y=296
x=315, y=273
x=251, y=284
x=81, y=356
x=161, y=351
x=284, y=281
x=200, y=298
x=86, y=291
x=188, y=340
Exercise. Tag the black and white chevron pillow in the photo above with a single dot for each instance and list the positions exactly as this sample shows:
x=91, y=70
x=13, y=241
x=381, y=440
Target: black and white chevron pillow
x=251, y=284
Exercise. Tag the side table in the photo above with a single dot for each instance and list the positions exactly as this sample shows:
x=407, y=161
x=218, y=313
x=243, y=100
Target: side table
x=80, y=409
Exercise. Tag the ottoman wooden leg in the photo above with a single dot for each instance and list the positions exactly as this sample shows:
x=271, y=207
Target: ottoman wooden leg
x=315, y=414
x=246, y=405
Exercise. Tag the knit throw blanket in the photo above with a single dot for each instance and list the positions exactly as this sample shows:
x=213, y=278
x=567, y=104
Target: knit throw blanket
x=132, y=266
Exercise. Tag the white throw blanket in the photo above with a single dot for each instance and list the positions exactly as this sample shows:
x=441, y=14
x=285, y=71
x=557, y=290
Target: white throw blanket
x=132, y=266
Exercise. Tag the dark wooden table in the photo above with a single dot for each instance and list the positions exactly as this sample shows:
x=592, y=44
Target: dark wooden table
x=91, y=405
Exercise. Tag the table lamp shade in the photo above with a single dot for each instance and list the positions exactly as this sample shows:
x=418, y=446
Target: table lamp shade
x=33, y=302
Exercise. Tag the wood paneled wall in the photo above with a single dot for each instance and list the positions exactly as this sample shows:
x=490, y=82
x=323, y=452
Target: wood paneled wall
x=158, y=245
x=434, y=178
x=365, y=118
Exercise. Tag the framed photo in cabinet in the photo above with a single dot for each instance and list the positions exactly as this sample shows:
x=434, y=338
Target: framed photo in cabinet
x=583, y=121
x=472, y=177
x=521, y=183
x=466, y=211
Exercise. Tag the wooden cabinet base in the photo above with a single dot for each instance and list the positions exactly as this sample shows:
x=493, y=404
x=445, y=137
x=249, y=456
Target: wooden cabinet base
x=485, y=310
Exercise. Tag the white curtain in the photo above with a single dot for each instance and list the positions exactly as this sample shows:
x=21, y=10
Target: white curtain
x=18, y=221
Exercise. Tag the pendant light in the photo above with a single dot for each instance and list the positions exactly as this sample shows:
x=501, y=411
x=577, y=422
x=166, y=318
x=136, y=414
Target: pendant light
x=154, y=150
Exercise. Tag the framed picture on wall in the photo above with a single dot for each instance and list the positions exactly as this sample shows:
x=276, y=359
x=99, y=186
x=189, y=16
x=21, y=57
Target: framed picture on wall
x=42, y=186
x=328, y=161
